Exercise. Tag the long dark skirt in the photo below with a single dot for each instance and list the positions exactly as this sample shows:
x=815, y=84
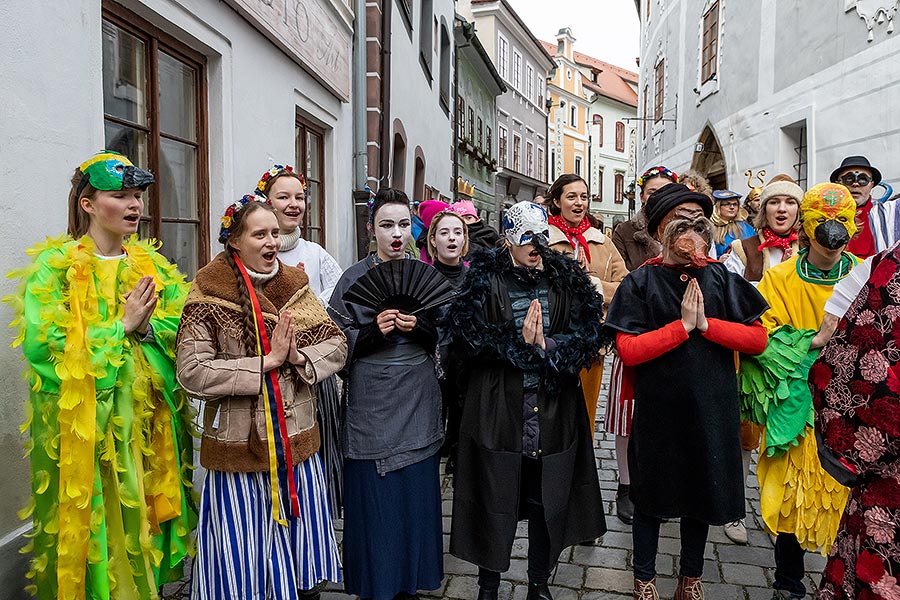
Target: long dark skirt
x=329, y=418
x=392, y=529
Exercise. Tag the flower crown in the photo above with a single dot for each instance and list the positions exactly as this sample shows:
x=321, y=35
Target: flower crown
x=656, y=172
x=228, y=218
x=275, y=171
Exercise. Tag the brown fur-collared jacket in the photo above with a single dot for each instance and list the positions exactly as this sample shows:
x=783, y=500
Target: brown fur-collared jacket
x=213, y=365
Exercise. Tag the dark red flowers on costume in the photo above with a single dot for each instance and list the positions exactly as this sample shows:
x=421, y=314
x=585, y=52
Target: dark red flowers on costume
x=840, y=435
x=862, y=388
x=869, y=567
x=883, y=273
x=834, y=571
x=820, y=375
x=866, y=337
x=875, y=302
x=886, y=415
x=893, y=378
x=882, y=492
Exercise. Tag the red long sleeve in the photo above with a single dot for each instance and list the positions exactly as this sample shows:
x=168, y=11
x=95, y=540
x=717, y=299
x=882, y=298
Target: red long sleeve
x=749, y=339
x=636, y=349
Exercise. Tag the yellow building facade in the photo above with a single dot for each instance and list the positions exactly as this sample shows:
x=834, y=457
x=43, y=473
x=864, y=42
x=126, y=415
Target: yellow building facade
x=569, y=111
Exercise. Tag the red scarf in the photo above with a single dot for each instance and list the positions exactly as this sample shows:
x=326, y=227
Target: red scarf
x=573, y=232
x=773, y=240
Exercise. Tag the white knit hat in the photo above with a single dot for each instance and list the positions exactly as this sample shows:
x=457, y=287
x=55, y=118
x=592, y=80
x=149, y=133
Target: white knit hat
x=780, y=188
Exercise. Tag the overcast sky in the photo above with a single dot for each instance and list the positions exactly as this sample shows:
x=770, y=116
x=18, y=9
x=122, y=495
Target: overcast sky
x=605, y=29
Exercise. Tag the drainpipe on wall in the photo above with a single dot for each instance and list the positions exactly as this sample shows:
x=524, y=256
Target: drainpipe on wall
x=360, y=150
x=387, y=141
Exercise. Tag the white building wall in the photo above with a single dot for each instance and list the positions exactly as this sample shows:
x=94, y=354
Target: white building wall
x=608, y=159
x=52, y=119
x=780, y=64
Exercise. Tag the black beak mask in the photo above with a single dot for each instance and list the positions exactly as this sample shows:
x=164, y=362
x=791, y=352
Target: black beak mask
x=135, y=177
x=832, y=234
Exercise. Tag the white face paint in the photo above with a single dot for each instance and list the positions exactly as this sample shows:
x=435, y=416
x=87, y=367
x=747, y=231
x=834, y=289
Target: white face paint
x=392, y=227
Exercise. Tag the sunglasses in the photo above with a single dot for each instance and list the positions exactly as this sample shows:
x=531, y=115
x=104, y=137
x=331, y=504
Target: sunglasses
x=857, y=177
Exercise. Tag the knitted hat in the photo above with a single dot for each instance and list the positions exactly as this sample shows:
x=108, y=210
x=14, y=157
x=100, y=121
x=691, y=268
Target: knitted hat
x=665, y=199
x=429, y=208
x=464, y=207
x=780, y=188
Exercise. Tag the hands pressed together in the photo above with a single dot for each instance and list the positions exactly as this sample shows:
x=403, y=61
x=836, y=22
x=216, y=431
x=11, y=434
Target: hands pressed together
x=533, y=326
x=391, y=318
x=693, y=312
x=282, y=345
x=139, y=306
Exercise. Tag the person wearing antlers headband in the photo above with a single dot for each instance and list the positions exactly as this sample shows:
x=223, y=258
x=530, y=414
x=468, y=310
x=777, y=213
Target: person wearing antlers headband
x=678, y=320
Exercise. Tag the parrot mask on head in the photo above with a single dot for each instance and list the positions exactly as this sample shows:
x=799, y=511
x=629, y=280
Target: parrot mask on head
x=111, y=171
x=828, y=214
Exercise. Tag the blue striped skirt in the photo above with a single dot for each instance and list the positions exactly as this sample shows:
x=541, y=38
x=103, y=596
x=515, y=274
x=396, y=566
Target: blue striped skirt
x=243, y=553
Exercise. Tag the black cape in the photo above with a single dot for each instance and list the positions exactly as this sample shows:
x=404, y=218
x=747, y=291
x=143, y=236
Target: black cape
x=489, y=463
x=684, y=453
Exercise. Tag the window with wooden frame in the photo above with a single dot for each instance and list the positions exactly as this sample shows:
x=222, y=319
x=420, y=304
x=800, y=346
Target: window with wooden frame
x=517, y=151
x=598, y=121
x=517, y=70
x=578, y=160
x=620, y=136
x=471, y=125
x=503, y=56
x=154, y=112
x=619, y=188
x=659, y=91
x=460, y=117
x=710, y=52
x=529, y=159
x=599, y=194
x=310, y=148
x=540, y=163
x=489, y=142
x=480, y=131
x=501, y=149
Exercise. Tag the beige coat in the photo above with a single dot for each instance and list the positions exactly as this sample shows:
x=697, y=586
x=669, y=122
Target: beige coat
x=606, y=269
x=213, y=365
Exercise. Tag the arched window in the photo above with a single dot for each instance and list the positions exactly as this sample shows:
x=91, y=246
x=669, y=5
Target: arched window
x=620, y=136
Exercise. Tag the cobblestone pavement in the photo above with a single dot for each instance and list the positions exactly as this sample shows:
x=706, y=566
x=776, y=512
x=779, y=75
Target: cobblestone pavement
x=602, y=572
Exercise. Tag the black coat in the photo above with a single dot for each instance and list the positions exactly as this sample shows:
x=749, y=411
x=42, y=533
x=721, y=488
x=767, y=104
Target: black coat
x=684, y=452
x=487, y=483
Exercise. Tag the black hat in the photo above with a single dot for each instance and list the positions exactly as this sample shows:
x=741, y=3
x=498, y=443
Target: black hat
x=662, y=201
x=856, y=161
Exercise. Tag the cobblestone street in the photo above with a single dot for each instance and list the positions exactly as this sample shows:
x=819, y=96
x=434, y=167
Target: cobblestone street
x=602, y=572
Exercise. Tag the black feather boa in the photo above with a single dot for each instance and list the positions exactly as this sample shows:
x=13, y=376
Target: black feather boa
x=576, y=349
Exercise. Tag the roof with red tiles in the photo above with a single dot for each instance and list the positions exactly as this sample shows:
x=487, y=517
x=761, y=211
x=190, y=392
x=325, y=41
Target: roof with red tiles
x=612, y=81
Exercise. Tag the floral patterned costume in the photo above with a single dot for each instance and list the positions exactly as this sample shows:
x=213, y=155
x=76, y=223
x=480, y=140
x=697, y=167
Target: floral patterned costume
x=110, y=435
x=855, y=385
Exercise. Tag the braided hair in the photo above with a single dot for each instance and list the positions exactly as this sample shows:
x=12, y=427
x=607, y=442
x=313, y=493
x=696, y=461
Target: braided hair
x=236, y=230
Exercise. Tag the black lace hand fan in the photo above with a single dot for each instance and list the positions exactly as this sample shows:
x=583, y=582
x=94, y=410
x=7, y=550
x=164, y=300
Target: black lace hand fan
x=409, y=286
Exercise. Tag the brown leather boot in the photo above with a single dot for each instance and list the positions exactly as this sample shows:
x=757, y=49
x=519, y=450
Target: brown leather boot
x=645, y=590
x=689, y=588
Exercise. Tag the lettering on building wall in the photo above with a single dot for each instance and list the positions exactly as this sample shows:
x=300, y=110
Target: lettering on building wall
x=310, y=32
